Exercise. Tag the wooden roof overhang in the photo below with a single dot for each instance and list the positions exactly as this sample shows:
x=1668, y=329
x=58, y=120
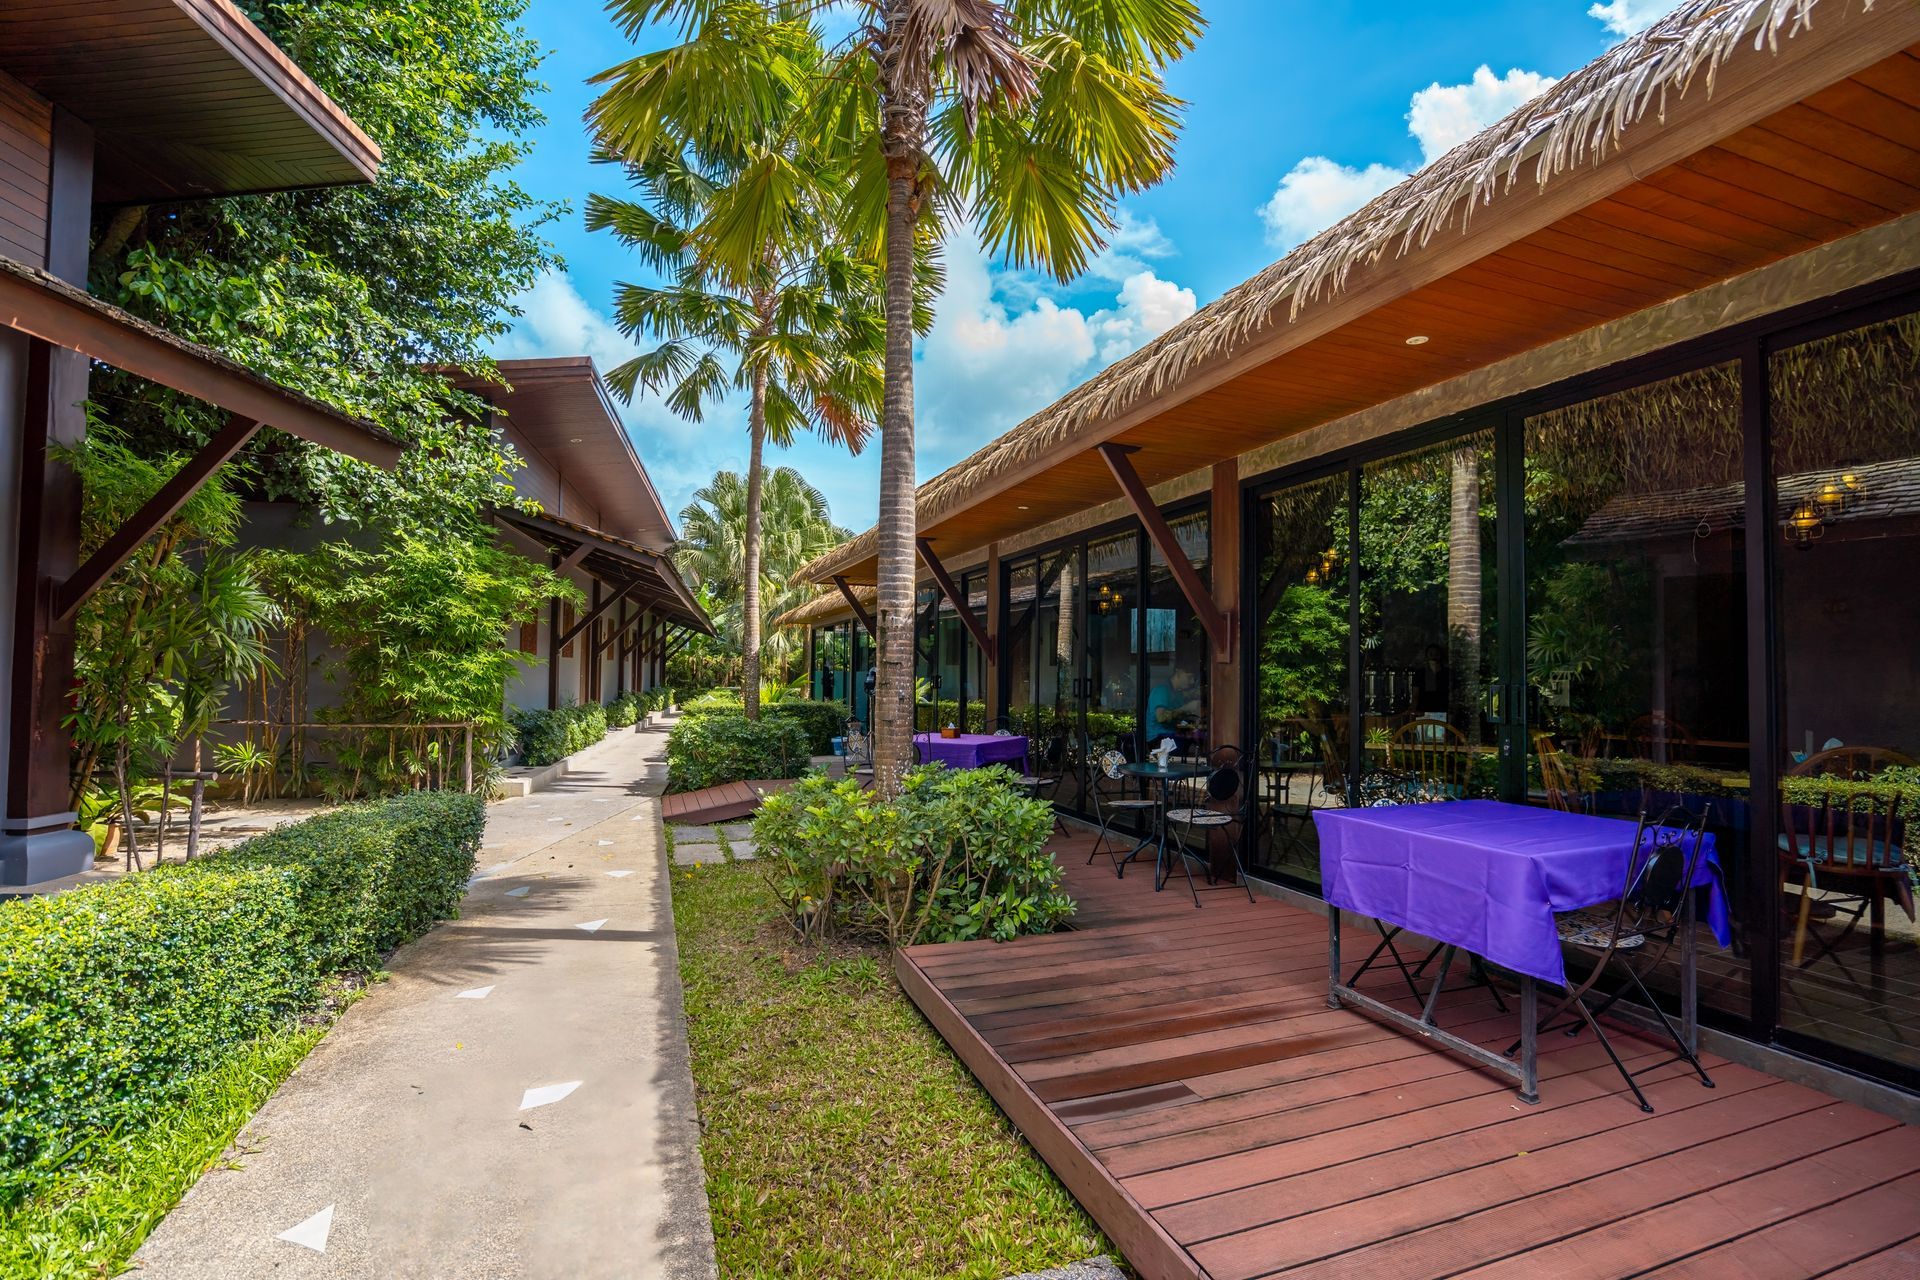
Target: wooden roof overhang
x=1794, y=148
x=187, y=98
x=45, y=307
x=649, y=577
x=561, y=407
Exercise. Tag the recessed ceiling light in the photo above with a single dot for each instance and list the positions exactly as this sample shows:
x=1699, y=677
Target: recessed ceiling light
x=1023, y=506
x=583, y=439
x=1416, y=339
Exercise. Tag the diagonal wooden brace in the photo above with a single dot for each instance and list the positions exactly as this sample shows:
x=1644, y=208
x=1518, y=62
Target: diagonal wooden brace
x=853, y=601
x=959, y=601
x=1121, y=464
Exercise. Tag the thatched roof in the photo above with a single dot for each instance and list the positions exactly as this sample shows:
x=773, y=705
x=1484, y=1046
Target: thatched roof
x=828, y=606
x=1579, y=121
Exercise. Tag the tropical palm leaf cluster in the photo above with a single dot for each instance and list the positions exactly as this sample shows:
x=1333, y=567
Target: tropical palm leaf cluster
x=767, y=160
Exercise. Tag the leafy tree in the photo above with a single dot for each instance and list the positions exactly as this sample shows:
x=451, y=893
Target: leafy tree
x=796, y=526
x=352, y=294
x=163, y=639
x=1028, y=119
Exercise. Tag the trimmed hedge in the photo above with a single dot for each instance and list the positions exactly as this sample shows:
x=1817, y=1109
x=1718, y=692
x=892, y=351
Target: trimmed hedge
x=707, y=750
x=625, y=711
x=546, y=736
x=115, y=997
x=822, y=722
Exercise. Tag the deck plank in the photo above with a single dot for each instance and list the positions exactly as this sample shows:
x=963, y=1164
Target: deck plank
x=1180, y=1071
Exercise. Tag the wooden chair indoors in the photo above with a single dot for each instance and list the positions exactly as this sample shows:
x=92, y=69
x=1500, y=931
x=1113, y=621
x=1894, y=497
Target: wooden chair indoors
x=1557, y=777
x=1434, y=752
x=1846, y=847
x=1658, y=736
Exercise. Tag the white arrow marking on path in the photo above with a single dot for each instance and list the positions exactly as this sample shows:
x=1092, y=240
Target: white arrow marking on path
x=475, y=993
x=521, y=892
x=311, y=1234
x=618, y=874
x=546, y=1093
x=603, y=842
x=591, y=926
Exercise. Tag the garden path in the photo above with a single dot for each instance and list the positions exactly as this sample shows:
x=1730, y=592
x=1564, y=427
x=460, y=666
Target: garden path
x=514, y=1102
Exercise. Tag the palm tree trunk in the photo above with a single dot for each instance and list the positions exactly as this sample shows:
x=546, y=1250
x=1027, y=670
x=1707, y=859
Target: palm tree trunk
x=903, y=134
x=1463, y=591
x=750, y=555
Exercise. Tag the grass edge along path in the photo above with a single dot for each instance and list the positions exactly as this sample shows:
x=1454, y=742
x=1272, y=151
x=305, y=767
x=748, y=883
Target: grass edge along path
x=98, y=1214
x=841, y=1136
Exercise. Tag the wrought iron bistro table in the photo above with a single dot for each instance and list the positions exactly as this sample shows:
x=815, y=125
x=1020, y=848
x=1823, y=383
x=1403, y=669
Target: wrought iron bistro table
x=1486, y=878
x=1173, y=772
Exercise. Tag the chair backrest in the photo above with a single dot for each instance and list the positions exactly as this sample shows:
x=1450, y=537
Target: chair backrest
x=1658, y=736
x=1110, y=763
x=1661, y=871
x=998, y=727
x=1431, y=750
x=1857, y=763
x=1852, y=831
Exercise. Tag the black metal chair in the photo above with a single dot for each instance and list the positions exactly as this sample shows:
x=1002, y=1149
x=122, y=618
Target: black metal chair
x=1226, y=804
x=1108, y=805
x=859, y=755
x=1635, y=934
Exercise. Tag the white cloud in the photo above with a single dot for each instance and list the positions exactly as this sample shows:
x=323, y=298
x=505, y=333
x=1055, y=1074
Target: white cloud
x=1630, y=17
x=556, y=321
x=1318, y=192
x=1135, y=242
x=1000, y=349
x=1442, y=116
x=1149, y=306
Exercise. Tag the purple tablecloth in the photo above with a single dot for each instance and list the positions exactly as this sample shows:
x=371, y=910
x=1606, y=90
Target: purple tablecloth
x=1486, y=876
x=971, y=750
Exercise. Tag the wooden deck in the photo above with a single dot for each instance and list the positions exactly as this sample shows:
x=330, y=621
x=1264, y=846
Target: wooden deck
x=1180, y=1071
x=718, y=804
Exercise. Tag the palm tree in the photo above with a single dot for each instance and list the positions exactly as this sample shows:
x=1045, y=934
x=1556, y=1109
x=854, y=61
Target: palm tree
x=796, y=526
x=1028, y=119
x=793, y=321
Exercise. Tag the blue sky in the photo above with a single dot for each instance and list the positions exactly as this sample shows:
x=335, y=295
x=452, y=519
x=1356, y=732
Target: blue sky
x=1298, y=111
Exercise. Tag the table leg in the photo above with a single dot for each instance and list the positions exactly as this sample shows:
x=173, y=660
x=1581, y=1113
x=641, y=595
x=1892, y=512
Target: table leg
x=1689, y=975
x=1333, y=956
x=1529, y=1041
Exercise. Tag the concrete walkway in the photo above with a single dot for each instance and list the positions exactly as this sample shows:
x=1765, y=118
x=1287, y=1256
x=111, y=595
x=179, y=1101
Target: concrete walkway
x=514, y=1102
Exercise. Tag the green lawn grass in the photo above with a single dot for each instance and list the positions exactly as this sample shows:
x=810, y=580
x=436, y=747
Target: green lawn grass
x=842, y=1138
x=91, y=1221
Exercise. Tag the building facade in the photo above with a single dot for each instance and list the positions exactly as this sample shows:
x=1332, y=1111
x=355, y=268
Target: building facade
x=1580, y=471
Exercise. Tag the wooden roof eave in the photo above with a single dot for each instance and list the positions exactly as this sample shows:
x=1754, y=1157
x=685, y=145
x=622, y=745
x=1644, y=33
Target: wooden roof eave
x=1747, y=89
x=613, y=557
x=41, y=306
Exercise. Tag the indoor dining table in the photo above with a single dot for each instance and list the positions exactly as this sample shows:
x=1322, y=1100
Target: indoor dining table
x=1488, y=878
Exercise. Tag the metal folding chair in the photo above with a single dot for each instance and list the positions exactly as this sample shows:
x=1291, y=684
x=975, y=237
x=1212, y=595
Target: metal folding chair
x=1230, y=784
x=1107, y=806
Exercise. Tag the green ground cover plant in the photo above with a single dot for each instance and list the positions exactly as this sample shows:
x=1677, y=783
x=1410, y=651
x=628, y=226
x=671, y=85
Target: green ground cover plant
x=119, y=1000
x=842, y=1137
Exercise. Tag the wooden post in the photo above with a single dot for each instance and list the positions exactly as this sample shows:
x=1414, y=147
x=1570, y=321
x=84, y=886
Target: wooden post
x=994, y=695
x=469, y=768
x=1223, y=546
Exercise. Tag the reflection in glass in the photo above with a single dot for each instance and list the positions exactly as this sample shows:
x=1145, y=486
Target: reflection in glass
x=1105, y=687
x=1300, y=686
x=1846, y=466
x=1637, y=621
x=1176, y=646
x=1427, y=652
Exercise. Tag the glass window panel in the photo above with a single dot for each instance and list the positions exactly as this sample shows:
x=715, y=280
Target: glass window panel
x=1177, y=645
x=1637, y=620
x=1427, y=610
x=1300, y=682
x=1846, y=466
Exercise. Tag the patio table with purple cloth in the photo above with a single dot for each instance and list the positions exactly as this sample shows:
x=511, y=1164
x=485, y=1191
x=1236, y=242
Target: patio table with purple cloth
x=1487, y=878
x=972, y=750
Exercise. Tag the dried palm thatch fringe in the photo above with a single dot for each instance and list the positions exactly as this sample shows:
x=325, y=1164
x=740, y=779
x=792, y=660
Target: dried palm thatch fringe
x=1576, y=122
x=828, y=605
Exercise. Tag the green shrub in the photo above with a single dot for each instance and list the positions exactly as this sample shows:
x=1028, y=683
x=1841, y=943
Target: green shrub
x=115, y=997
x=707, y=750
x=625, y=711
x=547, y=736
x=822, y=721
x=961, y=853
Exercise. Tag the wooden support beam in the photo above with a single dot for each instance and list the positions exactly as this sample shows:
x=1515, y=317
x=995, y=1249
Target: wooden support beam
x=853, y=602
x=592, y=615
x=958, y=600
x=616, y=632
x=159, y=509
x=574, y=557
x=1219, y=630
